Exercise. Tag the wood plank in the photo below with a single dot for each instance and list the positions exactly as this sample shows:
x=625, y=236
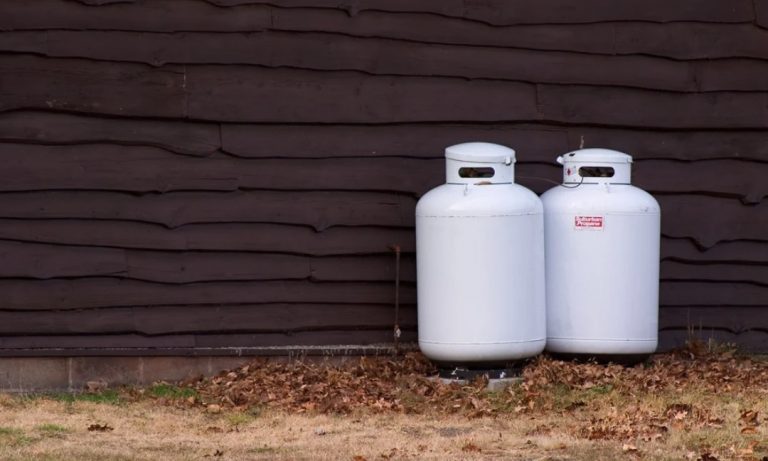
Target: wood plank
x=243, y=94
x=240, y=93
x=42, y=261
x=317, y=209
x=182, y=137
x=31, y=82
x=704, y=294
x=107, y=292
x=536, y=142
x=23, y=295
x=742, y=179
x=761, y=13
x=686, y=40
x=48, y=261
x=679, y=145
x=251, y=94
x=146, y=169
x=597, y=105
x=498, y=12
x=278, y=238
x=594, y=38
x=104, y=167
x=734, y=252
x=751, y=273
x=323, y=51
x=322, y=210
x=368, y=268
x=732, y=74
x=164, y=15
x=749, y=341
x=730, y=220
x=103, y=2
x=533, y=142
x=166, y=320
x=732, y=318
x=310, y=338
x=677, y=40
x=190, y=267
x=174, y=345
x=302, y=240
x=148, y=15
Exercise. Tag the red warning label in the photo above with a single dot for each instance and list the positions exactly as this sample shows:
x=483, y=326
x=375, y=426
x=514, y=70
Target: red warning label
x=589, y=222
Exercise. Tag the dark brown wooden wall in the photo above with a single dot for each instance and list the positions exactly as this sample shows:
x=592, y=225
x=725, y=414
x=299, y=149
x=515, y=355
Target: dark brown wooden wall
x=191, y=176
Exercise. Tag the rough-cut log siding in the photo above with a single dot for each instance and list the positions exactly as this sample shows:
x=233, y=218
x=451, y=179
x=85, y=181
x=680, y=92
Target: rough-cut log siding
x=208, y=176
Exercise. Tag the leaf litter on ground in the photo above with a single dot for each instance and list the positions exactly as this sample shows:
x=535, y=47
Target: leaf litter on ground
x=598, y=401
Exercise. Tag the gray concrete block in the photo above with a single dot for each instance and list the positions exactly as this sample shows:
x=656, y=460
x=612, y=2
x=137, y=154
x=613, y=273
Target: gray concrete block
x=114, y=371
x=34, y=374
x=173, y=369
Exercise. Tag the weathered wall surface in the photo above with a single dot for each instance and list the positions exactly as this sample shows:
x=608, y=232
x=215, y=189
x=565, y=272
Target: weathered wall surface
x=199, y=177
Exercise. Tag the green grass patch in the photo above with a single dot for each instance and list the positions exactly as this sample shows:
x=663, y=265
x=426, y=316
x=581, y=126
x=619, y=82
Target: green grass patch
x=169, y=391
x=256, y=410
x=262, y=450
x=52, y=430
x=10, y=431
x=564, y=397
x=501, y=401
x=600, y=390
x=239, y=418
x=14, y=437
x=107, y=396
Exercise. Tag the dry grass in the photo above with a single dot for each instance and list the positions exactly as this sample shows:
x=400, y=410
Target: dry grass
x=145, y=431
x=44, y=429
x=678, y=407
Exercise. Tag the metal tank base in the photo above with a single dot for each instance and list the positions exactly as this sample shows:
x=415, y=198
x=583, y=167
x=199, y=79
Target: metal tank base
x=472, y=373
x=498, y=378
x=619, y=359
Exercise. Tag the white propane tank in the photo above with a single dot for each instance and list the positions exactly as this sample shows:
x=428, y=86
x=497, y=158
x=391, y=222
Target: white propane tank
x=480, y=261
x=602, y=258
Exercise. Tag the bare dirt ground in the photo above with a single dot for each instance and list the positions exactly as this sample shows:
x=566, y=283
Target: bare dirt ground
x=696, y=404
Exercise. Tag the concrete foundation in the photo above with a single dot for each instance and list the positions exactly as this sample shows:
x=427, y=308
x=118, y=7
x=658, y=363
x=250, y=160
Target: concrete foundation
x=72, y=374
x=77, y=374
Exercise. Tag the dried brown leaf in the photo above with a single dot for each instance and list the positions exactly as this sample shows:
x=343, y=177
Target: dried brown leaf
x=471, y=447
x=100, y=428
x=750, y=418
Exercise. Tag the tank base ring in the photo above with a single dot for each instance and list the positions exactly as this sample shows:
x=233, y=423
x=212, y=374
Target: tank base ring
x=462, y=373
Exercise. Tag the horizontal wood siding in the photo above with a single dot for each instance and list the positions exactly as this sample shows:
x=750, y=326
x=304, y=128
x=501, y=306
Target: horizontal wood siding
x=219, y=176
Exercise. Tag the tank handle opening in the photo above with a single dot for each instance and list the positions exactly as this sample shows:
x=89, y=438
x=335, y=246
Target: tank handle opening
x=596, y=172
x=476, y=172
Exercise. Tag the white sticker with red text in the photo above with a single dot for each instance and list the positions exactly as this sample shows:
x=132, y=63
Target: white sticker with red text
x=588, y=223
